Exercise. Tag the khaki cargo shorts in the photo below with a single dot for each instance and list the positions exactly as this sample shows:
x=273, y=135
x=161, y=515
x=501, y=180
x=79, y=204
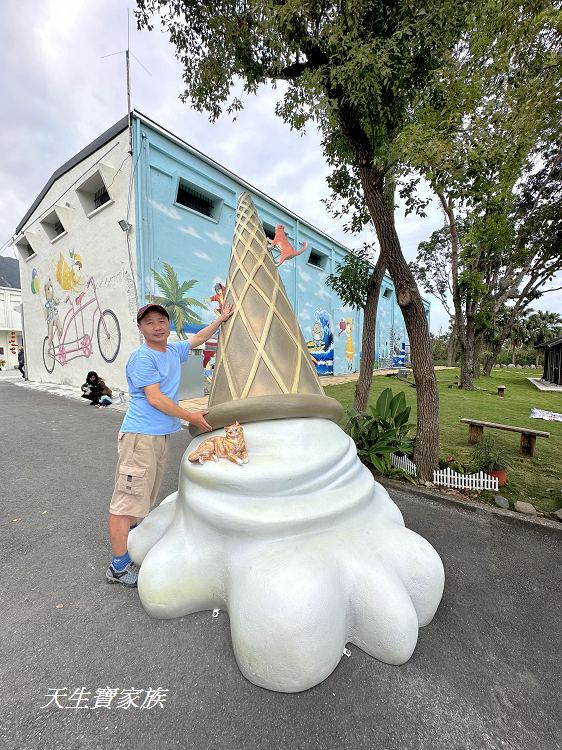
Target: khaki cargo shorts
x=140, y=467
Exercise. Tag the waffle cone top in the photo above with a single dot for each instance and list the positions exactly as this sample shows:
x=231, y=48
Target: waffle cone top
x=263, y=369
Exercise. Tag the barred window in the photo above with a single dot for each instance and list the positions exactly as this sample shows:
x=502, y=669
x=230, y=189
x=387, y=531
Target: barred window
x=53, y=225
x=25, y=249
x=318, y=259
x=101, y=196
x=93, y=194
x=198, y=200
x=269, y=231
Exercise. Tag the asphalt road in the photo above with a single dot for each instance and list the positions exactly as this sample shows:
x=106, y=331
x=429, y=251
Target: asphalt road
x=485, y=673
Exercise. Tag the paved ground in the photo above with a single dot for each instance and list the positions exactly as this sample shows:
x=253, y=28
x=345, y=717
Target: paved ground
x=485, y=674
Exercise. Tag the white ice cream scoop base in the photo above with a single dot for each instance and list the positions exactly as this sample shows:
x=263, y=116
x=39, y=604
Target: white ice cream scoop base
x=300, y=545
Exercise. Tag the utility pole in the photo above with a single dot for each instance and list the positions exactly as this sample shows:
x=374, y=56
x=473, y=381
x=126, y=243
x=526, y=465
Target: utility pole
x=127, y=63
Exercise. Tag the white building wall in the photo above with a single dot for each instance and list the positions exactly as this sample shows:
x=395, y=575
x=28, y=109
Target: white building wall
x=90, y=268
x=10, y=323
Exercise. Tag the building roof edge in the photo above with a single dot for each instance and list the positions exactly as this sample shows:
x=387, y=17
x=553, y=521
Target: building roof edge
x=91, y=148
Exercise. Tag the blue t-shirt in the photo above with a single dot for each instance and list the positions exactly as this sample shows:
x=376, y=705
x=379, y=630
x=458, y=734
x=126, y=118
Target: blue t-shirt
x=147, y=366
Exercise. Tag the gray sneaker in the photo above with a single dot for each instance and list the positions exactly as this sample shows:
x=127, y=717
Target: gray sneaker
x=126, y=577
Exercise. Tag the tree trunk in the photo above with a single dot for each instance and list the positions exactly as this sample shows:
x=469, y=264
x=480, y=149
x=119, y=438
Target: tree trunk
x=468, y=352
x=363, y=387
x=491, y=358
x=452, y=347
x=461, y=325
x=426, y=452
x=477, y=353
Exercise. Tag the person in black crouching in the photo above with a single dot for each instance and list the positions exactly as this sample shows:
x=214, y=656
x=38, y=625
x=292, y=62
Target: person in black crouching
x=96, y=391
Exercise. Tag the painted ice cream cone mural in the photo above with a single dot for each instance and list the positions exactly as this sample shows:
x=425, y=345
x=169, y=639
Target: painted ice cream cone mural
x=346, y=326
x=299, y=544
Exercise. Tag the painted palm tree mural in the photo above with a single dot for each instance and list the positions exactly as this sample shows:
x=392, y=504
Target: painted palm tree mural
x=173, y=298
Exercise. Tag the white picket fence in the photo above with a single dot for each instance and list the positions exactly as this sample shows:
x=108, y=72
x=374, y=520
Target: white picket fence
x=449, y=478
x=404, y=463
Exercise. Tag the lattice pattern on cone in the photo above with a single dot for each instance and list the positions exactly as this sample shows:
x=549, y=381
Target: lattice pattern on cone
x=263, y=327
x=263, y=369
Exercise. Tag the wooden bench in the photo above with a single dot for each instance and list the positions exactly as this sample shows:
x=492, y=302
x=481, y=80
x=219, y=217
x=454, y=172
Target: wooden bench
x=528, y=437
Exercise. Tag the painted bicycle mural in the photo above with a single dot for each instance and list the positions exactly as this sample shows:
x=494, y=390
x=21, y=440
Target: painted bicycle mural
x=74, y=336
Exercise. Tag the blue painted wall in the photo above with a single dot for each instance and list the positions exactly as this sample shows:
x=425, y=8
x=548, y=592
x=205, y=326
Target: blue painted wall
x=198, y=247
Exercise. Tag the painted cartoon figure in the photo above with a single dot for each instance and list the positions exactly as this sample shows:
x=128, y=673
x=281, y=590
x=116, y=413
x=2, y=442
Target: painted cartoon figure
x=51, y=310
x=317, y=335
x=321, y=346
x=346, y=326
x=281, y=242
x=218, y=297
x=69, y=275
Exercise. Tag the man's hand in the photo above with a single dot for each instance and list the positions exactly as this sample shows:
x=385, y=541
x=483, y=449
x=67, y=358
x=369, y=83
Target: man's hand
x=198, y=419
x=205, y=333
x=227, y=311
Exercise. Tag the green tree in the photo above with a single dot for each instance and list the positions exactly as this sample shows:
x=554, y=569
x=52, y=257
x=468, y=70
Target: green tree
x=542, y=326
x=172, y=298
x=520, y=334
x=356, y=70
x=492, y=118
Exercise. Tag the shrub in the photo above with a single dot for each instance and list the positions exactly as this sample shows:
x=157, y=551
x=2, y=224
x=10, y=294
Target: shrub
x=381, y=430
x=486, y=456
x=451, y=463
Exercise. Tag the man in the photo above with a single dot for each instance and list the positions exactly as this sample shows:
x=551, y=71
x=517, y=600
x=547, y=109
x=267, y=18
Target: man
x=153, y=375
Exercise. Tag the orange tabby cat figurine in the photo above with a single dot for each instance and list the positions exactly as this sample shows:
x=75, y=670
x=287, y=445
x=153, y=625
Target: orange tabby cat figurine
x=232, y=447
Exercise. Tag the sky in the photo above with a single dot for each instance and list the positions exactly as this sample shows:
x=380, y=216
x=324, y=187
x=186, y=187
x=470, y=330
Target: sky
x=60, y=92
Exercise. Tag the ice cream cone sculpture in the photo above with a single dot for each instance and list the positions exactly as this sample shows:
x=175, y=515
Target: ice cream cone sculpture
x=301, y=546
x=263, y=368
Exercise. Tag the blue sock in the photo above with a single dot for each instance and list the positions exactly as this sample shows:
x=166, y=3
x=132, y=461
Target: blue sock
x=120, y=563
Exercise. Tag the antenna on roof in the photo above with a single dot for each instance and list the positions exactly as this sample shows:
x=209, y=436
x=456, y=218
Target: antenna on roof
x=128, y=55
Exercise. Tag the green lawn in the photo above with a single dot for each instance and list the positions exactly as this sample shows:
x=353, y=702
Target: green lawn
x=538, y=479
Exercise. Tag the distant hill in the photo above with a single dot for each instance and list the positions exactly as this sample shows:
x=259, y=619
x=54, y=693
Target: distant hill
x=9, y=273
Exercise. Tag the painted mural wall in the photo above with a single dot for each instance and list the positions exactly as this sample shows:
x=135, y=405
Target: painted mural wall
x=82, y=275
x=77, y=271
x=194, y=241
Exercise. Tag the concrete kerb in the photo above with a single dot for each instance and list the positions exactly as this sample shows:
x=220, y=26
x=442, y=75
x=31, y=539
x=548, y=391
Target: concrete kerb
x=468, y=505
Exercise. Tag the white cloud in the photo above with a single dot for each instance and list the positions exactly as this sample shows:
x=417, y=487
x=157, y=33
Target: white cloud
x=202, y=255
x=304, y=275
x=323, y=293
x=302, y=287
x=190, y=231
x=168, y=211
x=218, y=238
